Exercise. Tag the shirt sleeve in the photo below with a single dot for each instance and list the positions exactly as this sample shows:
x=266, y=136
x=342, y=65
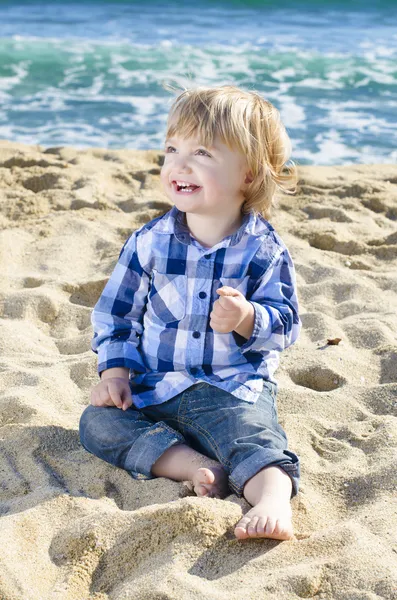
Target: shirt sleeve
x=277, y=323
x=117, y=317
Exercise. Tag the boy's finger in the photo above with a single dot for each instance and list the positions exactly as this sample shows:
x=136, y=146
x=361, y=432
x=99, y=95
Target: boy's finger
x=226, y=290
x=127, y=403
x=116, y=399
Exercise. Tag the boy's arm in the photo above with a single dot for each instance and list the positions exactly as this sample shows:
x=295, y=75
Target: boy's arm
x=276, y=322
x=115, y=372
x=117, y=316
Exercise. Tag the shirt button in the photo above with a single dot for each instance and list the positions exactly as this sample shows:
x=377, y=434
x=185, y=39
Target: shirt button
x=196, y=334
x=207, y=255
x=202, y=295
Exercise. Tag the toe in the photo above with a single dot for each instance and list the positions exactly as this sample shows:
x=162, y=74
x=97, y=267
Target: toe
x=200, y=490
x=260, y=526
x=270, y=526
x=284, y=530
x=279, y=528
x=251, y=528
x=240, y=531
x=206, y=476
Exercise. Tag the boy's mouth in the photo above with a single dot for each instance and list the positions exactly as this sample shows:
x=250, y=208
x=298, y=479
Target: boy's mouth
x=185, y=187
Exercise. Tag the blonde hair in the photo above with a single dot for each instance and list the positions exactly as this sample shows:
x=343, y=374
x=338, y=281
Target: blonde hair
x=246, y=122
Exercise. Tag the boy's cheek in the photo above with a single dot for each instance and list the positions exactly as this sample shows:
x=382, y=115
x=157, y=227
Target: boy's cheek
x=162, y=177
x=165, y=183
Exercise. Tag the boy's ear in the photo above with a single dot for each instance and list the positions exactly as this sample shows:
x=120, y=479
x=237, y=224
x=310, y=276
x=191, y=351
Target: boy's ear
x=249, y=177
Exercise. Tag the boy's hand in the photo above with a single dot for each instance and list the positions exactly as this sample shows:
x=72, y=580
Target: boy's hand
x=230, y=310
x=113, y=391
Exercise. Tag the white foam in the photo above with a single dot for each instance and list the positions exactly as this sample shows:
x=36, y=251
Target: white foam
x=21, y=71
x=292, y=114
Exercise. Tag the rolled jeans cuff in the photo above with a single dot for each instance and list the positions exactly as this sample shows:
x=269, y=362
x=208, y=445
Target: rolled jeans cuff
x=261, y=459
x=149, y=447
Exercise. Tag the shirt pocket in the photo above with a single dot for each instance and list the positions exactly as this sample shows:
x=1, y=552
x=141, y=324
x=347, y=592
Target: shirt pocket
x=168, y=295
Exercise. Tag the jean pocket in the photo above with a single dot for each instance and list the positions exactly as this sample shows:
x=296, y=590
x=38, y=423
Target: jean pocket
x=271, y=387
x=167, y=296
x=270, y=391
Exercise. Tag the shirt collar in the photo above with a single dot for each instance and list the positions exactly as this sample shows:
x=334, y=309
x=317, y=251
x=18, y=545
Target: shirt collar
x=175, y=222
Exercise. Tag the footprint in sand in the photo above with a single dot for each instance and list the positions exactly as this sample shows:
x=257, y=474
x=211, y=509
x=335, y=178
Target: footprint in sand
x=318, y=378
x=317, y=211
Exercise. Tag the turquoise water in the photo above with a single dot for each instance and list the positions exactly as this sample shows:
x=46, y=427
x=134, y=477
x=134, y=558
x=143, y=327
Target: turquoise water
x=91, y=73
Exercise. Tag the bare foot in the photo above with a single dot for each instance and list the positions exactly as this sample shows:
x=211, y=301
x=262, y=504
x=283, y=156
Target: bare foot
x=201, y=474
x=209, y=481
x=270, y=518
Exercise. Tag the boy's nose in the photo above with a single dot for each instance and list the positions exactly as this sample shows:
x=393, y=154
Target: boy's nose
x=182, y=163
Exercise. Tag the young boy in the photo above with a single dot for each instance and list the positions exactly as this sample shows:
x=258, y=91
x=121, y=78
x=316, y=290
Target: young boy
x=202, y=300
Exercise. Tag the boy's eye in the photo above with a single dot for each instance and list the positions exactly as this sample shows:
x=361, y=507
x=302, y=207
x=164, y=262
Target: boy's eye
x=169, y=149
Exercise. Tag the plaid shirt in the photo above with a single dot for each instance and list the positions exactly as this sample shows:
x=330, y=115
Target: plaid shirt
x=153, y=314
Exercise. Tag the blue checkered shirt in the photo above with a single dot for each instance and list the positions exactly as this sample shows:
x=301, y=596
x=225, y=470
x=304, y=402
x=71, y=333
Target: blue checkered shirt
x=153, y=314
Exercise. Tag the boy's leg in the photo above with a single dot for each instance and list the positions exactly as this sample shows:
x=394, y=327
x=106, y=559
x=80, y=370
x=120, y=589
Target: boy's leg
x=251, y=445
x=126, y=439
x=145, y=443
x=182, y=463
x=269, y=493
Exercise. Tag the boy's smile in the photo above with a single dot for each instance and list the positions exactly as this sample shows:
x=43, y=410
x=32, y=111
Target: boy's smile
x=183, y=187
x=207, y=183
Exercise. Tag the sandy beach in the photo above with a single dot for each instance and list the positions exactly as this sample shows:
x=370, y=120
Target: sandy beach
x=74, y=527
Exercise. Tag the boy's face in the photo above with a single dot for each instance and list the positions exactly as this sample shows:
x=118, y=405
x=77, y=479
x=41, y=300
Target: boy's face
x=219, y=172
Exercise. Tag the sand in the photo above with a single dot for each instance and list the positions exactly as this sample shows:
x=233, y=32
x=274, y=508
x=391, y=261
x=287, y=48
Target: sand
x=74, y=527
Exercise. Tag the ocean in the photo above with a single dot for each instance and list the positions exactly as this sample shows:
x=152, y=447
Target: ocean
x=92, y=73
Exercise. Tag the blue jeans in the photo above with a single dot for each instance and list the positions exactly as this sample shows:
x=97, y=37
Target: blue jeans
x=242, y=437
